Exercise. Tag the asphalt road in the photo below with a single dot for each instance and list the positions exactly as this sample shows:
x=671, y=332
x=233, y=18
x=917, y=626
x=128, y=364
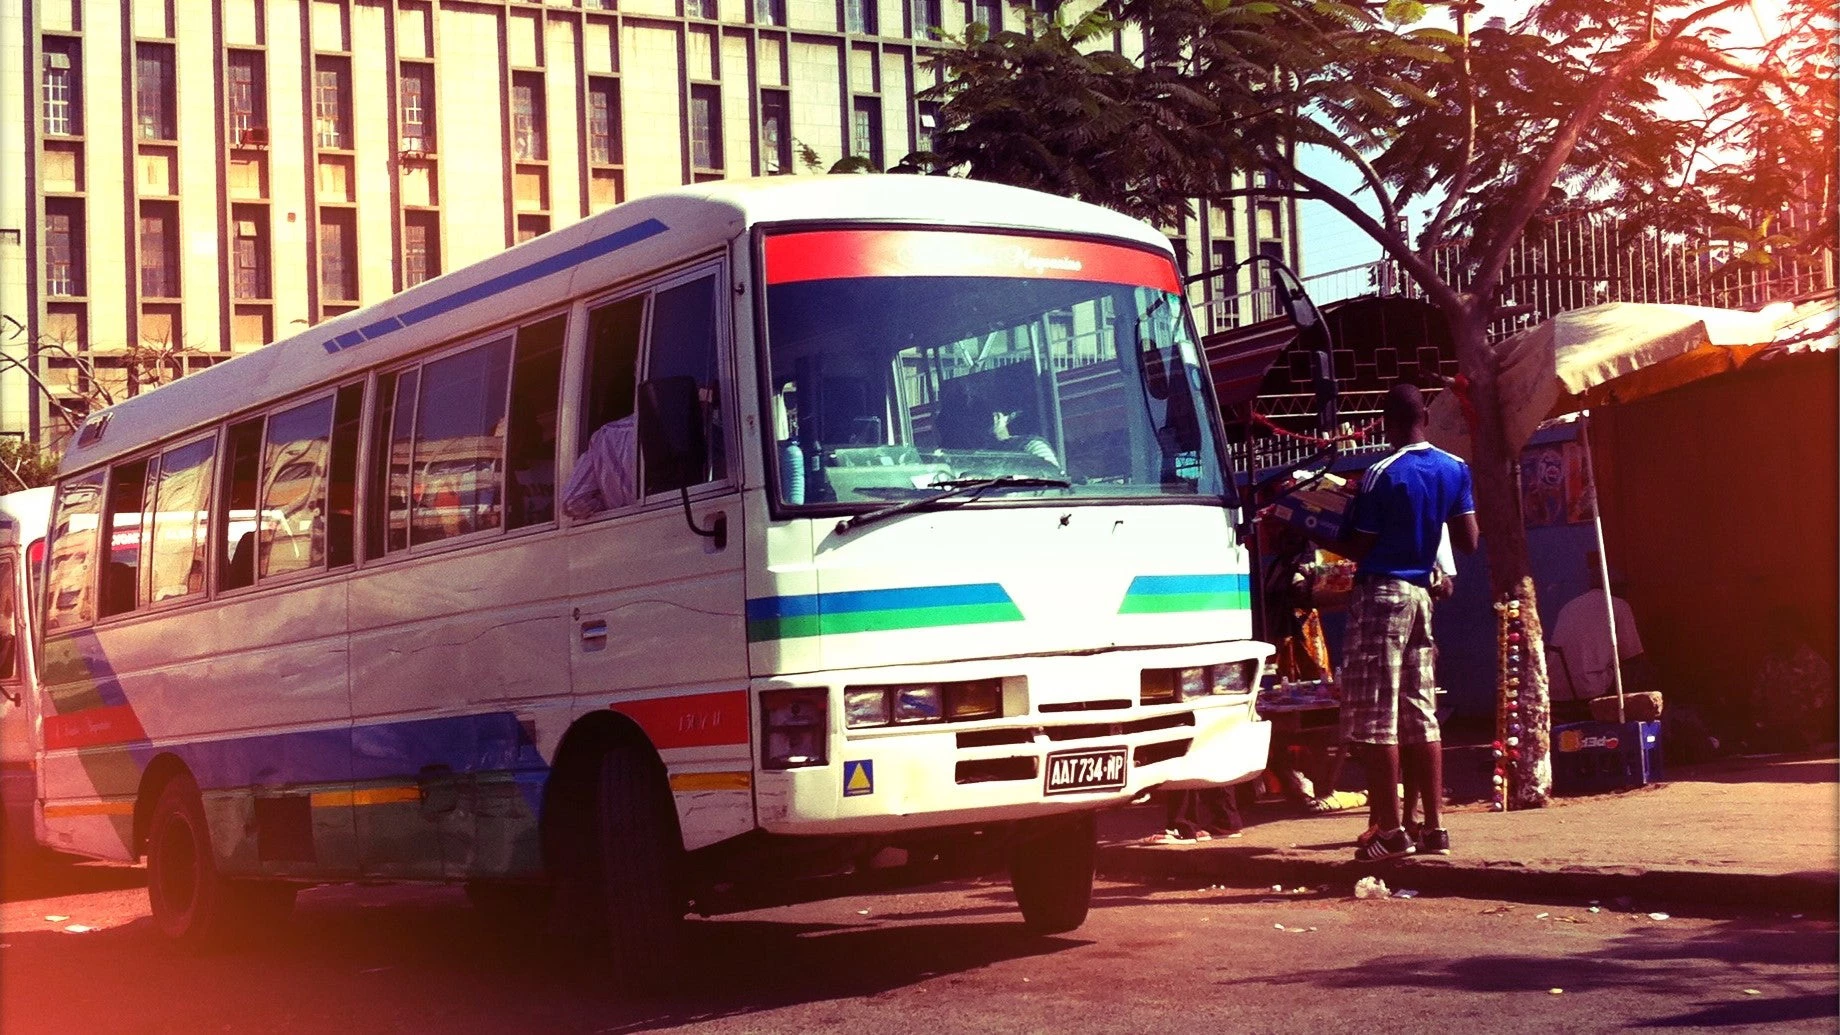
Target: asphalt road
x=944, y=958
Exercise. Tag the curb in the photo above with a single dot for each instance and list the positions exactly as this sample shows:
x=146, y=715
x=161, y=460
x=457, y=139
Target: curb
x=1815, y=892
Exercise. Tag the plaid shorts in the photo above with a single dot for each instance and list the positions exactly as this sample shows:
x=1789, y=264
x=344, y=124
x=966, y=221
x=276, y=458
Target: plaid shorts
x=1389, y=671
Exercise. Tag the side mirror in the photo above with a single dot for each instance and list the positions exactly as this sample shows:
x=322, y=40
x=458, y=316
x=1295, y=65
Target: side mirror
x=671, y=431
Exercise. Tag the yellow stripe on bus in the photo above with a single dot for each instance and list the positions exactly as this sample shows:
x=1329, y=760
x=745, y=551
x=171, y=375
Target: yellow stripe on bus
x=369, y=796
x=90, y=808
x=685, y=782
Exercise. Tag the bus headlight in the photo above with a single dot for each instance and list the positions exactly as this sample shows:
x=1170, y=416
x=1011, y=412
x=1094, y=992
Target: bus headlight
x=865, y=706
x=918, y=703
x=906, y=705
x=1166, y=685
x=974, y=699
x=794, y=728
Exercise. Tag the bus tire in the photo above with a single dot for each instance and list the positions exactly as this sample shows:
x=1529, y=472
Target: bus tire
x=192, y=902
x=638, y=857
x=1051, y=872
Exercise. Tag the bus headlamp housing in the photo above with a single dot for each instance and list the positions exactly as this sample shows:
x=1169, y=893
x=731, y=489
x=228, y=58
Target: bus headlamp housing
x=1168, y=685
x=911, y=704
x=794, y=728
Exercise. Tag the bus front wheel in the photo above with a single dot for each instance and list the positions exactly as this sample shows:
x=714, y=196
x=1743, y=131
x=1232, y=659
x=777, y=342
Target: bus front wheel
x=192, y=903
x=638, y=855
x=1051, y=872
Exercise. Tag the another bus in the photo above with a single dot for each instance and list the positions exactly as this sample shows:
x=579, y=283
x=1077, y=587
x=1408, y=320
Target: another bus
x=23, y=516
x=911, y=529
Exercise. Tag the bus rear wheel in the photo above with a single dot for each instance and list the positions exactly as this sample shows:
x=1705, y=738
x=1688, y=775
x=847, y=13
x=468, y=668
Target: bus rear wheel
x=193, y=904
x=1051, y=872
x=638, y=856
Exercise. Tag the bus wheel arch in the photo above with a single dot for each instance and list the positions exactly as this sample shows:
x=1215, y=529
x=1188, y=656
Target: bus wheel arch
x=154, y=779
x=611, y=837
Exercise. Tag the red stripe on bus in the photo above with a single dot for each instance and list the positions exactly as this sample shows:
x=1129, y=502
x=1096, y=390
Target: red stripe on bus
x=838, y=254
x=94, y=727
x=695, y=720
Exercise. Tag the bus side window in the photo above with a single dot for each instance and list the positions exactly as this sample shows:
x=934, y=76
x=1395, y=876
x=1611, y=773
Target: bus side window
x=127, y=503
x=342, y=487
x=454, y=489
x=70, y=582
x=530, y=448
x=181, y=517
x=10, y=627
x=292, y=530
x=609, y=394
x=683, y=341
x=387, y=509
x=236, y=559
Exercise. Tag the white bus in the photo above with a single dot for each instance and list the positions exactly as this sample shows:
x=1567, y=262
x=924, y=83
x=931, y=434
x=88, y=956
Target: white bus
x=926, y=540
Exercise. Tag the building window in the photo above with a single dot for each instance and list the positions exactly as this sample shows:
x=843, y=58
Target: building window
x=527, y=119
x=529, y=227
x=332, y=102
x=926, y=126
x=705, y=127
x=417, y=84
x=63, y=246
x=247, y=100
x=63, y=103
x=421, y=248
x=775, y=132
x=859, y=16
x=338, y=255
x=988, y=13
x=866, y=130
x=249, y=248
x=155, y=100
x=928, y=19
x=770, y=12
x=700, y=9
x=159, y=249
x=604, y=121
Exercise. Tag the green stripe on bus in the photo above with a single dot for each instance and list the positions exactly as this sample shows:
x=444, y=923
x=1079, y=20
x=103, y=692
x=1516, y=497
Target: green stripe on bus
x=793, y=627
x=1164, y=603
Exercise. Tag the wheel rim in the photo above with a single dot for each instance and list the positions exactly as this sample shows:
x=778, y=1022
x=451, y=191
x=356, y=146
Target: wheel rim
x=177, y=878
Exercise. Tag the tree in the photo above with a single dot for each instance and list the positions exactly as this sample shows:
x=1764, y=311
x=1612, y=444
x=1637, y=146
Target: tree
x=1486, y=129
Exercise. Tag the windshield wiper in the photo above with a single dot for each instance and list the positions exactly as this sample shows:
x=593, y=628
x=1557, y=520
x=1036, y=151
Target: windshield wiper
x=959, y=490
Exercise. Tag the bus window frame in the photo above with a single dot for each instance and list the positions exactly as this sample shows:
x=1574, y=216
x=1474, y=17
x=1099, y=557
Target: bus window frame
x=216, y=435
x=716, y=267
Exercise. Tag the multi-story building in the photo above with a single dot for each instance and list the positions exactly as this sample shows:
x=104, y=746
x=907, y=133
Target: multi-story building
x=184, y=180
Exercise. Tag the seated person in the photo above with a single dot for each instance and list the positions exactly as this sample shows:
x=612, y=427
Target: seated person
x=1792, y=693
x=605, y=475
x=1580, y=639
x=1011, y=430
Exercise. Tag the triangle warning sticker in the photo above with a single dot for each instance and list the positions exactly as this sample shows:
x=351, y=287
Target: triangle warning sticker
x=858, y=778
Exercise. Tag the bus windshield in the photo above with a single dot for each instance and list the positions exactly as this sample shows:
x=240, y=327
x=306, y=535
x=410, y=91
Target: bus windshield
x=904, y=362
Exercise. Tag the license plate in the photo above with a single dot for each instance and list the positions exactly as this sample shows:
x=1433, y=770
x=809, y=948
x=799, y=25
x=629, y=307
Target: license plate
x=1097, y=770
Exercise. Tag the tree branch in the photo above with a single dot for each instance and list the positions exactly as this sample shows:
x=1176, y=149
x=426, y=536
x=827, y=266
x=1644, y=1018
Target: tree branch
x=1390, y=240
x=1434, y=233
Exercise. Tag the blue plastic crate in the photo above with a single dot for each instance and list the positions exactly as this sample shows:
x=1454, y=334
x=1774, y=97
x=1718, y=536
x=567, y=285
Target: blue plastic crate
x=1588, y=757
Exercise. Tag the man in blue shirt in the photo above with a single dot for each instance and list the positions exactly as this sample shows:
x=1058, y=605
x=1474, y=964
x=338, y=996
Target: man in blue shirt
x=1389, y=680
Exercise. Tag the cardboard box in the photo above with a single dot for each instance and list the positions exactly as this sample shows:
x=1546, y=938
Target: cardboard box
x=1318, y=512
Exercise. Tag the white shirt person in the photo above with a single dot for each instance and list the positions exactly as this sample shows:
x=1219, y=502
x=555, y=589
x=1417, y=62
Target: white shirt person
x=605, y=476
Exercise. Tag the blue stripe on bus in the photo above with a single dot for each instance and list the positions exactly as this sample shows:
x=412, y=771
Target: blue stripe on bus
x=503, y=282
x=764, y=608
x=1159, y=585
x=493, y=742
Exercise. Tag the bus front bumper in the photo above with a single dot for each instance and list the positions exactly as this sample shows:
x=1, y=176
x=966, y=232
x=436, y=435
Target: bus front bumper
x=945, y=777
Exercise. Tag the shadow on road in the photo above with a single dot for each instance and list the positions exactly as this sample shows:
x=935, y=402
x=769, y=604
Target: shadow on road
x=34, y=874
x=420, y=959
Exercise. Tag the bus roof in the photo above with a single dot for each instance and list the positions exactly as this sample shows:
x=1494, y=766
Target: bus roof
x=627, y=241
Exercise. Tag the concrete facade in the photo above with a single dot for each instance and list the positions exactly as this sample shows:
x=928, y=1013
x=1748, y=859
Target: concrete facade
x=182, y=180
